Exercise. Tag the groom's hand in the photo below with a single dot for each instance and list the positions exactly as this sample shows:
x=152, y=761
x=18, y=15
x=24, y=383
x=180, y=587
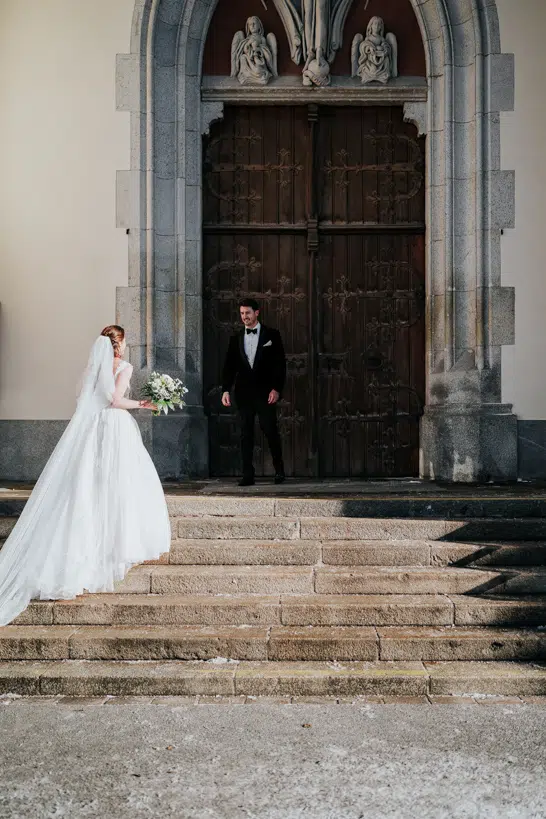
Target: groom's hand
x=273, y=397
x=226, y=400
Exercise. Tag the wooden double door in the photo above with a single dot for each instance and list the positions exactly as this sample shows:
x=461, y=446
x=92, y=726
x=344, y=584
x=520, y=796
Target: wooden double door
x=318, y=213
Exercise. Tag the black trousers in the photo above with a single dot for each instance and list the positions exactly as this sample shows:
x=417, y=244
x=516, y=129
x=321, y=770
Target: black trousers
x=249, y=406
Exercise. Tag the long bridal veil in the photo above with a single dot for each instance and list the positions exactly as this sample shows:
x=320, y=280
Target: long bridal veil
x=95, y=508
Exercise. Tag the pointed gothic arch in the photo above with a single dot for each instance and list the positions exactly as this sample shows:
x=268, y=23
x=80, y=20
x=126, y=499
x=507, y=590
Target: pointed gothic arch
x=467, y=434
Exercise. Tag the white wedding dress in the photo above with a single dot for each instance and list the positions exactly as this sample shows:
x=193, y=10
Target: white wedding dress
x=98, y=507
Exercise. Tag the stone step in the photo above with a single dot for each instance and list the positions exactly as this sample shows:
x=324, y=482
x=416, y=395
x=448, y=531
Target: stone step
x=489, y=554
x=79, y=678
x=203, y=579
x=461, y=644
x=237, y=528
x=312, y=609
x=327, y=528
x=353, y=553
x=499, y=610
x=245, y=552
x=470, y=509
x=525, y=580
x=6, y=525
x=218, y=580
x=280, y=643
x=377, y=552
x=407, y=580
x=296, y=610
x=314, y=529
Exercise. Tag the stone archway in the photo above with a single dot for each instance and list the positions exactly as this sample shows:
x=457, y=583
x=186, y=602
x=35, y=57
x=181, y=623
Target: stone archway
x=467, y=434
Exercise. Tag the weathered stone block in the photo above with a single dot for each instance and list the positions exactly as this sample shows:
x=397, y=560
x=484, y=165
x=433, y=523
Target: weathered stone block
x=502, y=88
x=77, y=678
x=239, y=528
x=21, y=678
x=487, y=678
x=6, y=526
x=34, y=642
x=128, y=77
x=169, y=643
x=366, y=610
x=491, y=611
x=460, y=644
x=503, y=310
x=377, y=553
x=37, y=613
x=321, y=644
x=136, y=581
x=410, y=580
x=371, y=529
x=164, y=610
x=232, y=580
x=245, y=552
x=194, y=506
x=320, y=679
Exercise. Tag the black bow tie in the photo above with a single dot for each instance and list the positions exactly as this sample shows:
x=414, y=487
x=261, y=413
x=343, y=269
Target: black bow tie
x=254, y=331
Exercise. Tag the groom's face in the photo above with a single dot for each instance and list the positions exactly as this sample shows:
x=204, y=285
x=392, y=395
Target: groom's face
x=249, y=317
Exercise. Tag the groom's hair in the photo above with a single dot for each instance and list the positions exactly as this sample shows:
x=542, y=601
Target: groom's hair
x=249, y=303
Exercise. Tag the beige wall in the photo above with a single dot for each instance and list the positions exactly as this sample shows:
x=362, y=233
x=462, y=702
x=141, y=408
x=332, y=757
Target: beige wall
x=523, y=29
x=61, y=142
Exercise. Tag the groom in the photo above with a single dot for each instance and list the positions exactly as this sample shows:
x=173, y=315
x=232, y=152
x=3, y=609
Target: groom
x=256, y=365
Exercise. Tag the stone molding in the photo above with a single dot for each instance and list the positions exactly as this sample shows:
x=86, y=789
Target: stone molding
x=288, y=90
x=469, y=200
x=417, y=113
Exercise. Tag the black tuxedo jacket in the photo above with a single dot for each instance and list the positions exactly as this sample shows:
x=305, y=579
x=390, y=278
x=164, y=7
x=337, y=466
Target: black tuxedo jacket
x=268, y=372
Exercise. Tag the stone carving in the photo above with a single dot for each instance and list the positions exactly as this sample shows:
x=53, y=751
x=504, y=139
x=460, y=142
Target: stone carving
x=374, y=58
x=254, y=56
x=315, y=34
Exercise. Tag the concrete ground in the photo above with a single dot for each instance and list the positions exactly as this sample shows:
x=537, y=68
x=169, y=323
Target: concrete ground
x=269, y=760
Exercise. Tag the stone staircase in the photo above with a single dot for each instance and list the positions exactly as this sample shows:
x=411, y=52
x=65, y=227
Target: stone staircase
x=295, y=596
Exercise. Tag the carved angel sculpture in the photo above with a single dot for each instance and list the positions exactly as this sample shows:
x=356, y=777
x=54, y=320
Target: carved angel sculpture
x=375, y=57
x=254, y=57
x=315, y=33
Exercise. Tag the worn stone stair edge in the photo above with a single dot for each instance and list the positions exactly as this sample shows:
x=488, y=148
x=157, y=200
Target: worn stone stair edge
x=268, y=579
x=296, y=610
x=172, y=678
x=355, y=528
x=278, y=643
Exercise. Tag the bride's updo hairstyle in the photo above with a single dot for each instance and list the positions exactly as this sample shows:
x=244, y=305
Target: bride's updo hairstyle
x=116, y=334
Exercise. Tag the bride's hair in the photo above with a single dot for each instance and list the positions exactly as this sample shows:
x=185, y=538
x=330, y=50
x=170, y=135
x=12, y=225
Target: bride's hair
x=116, y=334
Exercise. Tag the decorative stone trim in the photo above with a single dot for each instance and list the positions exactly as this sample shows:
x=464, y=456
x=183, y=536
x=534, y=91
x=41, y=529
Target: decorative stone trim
x=416, y=112
x=211, y=111
x=469, y=200
x=288, y=90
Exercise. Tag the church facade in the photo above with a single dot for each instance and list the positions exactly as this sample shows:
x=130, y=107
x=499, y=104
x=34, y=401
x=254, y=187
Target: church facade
x=343, y=162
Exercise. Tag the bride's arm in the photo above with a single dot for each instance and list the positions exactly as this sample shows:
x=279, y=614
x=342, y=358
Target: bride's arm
x=122, y=383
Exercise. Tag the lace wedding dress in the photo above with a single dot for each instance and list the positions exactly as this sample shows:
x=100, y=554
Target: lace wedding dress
x=98, y=507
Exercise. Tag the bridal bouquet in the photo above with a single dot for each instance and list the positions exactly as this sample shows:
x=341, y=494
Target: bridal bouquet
x=165, y=392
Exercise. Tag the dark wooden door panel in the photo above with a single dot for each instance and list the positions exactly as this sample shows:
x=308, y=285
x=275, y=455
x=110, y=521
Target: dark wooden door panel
x=371, y=168
x=365, y=338
x=273, y=269
x=372, y=351
x=254, y=168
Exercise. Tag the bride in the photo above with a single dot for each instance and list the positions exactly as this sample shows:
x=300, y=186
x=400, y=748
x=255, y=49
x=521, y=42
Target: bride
x=98, y=507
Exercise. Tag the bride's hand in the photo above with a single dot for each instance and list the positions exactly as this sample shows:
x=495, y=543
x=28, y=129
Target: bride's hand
x=148, y=405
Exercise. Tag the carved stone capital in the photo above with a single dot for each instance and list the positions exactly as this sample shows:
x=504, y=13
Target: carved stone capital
x=212, y=111
x=416, y=112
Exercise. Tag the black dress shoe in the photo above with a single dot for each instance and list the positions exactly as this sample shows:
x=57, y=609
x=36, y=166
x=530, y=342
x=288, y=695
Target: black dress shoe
x=280, y=477
x=247, y=481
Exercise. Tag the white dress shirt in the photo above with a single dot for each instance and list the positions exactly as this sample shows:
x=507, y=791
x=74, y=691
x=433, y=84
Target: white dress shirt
x=251, y=344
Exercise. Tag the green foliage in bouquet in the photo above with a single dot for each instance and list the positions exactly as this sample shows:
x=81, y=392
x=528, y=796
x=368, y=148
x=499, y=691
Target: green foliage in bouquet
x=165, y=392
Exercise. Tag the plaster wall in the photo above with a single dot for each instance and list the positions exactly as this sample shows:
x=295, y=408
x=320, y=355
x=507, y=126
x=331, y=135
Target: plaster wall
x=61, y=142
x=523, y=136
